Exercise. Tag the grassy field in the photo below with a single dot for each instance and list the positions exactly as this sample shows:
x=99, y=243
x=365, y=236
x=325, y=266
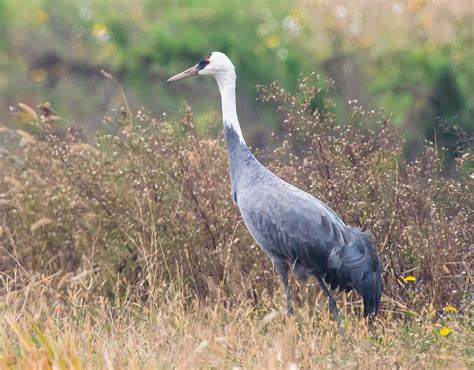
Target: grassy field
x=120, y=246
x=125, y=250
x=54, y=322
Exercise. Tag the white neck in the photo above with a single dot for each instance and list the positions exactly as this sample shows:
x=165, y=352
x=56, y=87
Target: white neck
x=226, y=82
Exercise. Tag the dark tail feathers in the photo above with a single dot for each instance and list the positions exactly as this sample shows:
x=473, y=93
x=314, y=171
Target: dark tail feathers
x=357, y=266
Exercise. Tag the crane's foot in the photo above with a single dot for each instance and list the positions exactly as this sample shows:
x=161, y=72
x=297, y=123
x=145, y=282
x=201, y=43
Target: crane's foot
x=335, y=314
x=342, y=331
x=290, y=311
x=334, y=311
x=332, y=306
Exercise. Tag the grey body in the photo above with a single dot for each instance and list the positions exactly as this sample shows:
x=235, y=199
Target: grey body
x=299, y=232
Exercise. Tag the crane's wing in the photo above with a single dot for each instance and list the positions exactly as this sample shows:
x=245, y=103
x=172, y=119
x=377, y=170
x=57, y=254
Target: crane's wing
x=292, y=225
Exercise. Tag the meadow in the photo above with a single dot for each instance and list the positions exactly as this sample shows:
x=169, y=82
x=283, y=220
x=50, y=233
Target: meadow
x=120, y=246
x=127, y=251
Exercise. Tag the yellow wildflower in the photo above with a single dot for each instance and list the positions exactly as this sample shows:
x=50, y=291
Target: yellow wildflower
x=366, y=41
x=450, y=308
x=416, y=5
x=409, y=278
x=272, y=41
x=41, y=17
x=445, y=332
x=297, y=15
x=37, y=75
x=426, y=20
x=99, y=30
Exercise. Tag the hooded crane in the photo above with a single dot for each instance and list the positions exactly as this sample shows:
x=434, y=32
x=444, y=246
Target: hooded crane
x=297, y=231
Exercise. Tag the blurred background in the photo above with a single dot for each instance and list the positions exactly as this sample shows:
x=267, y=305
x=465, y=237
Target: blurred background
x=413, y=58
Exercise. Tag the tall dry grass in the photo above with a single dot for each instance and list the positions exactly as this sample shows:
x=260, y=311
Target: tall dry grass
x=126, y=248
x=52, y=322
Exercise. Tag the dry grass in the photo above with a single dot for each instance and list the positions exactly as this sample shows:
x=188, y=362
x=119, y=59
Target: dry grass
x=53, y=322
x=125, y=250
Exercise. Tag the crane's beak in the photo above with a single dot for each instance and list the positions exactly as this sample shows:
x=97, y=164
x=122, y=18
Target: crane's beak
x=193, y=71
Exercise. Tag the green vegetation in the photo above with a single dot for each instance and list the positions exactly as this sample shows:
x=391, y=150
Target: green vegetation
x=412, y=58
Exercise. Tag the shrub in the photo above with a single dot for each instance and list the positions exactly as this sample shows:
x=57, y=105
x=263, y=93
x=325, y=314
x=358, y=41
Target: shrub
x=146, y=204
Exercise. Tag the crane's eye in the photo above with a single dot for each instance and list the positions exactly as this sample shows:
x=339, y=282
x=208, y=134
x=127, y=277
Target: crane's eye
x=204, y=62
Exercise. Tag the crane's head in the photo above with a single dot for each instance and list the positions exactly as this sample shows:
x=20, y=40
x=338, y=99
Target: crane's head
x=213, y=64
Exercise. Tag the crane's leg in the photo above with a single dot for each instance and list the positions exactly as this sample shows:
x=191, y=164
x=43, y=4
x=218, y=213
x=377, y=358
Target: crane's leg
x=283, y=268
x=332, y=304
